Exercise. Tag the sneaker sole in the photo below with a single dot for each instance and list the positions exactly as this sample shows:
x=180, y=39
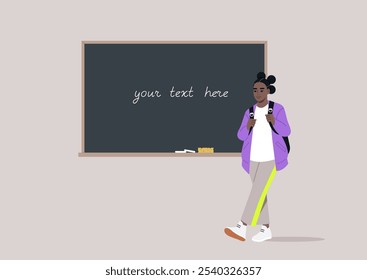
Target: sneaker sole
x=233, y=235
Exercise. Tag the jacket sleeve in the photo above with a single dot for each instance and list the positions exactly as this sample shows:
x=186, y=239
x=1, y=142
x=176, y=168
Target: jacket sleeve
x=242, y=133
x=281, y=123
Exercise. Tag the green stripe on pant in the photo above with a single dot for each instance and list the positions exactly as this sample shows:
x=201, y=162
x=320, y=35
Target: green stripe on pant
x=260, y=204
x=256, y=210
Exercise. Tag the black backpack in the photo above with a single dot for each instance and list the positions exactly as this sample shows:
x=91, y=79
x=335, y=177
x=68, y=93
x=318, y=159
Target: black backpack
x=270, y=111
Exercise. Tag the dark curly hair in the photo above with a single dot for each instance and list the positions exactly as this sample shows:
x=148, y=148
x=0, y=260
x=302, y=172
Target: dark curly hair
x=261, y=78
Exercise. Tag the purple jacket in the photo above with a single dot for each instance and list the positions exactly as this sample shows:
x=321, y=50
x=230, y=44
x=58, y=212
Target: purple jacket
x=280, y=149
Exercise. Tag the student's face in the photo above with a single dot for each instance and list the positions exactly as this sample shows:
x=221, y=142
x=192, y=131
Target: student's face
x=260, y=91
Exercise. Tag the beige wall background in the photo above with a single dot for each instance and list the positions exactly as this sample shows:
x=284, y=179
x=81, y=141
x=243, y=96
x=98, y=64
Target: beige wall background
x=56, y=205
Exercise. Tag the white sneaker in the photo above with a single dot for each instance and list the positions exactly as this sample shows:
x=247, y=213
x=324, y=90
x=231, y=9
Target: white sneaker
x=264, y=234
x=237, y=232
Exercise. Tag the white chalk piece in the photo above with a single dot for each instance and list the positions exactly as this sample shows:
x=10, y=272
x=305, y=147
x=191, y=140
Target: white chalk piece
x=189, y=151
x=180, y=152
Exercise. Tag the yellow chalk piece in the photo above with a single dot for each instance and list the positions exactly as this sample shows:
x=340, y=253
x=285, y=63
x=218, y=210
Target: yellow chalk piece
x=205, y=150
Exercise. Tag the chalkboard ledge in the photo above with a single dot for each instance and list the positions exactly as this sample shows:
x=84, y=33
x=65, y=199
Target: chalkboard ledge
x=97, y=154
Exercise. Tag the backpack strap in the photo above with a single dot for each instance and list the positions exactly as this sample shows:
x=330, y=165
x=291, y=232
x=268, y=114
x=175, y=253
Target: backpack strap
x=270, y=112
x=271, y=107
x=252, y=115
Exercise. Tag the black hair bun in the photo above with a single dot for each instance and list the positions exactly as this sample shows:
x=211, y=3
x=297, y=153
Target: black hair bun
x=271, y=79
x=272, y=89
x=261, y=75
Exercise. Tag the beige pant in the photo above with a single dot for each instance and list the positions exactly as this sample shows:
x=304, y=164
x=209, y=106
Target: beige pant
x=256, y=210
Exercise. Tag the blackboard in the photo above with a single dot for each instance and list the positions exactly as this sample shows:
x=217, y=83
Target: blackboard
x=153, y=97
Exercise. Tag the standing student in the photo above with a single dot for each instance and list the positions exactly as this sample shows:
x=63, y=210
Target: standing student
x=264, y=152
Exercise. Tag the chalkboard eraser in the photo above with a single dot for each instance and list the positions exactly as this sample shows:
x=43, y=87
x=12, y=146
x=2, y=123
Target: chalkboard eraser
x=206, y=150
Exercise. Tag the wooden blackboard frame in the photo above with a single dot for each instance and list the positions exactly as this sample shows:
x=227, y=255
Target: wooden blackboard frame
x=167, y=154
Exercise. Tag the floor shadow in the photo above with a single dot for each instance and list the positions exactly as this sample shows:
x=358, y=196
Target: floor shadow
x=295, y=239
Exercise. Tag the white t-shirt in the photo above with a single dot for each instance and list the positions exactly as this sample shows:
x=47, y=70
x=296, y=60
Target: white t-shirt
x=262, y=138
